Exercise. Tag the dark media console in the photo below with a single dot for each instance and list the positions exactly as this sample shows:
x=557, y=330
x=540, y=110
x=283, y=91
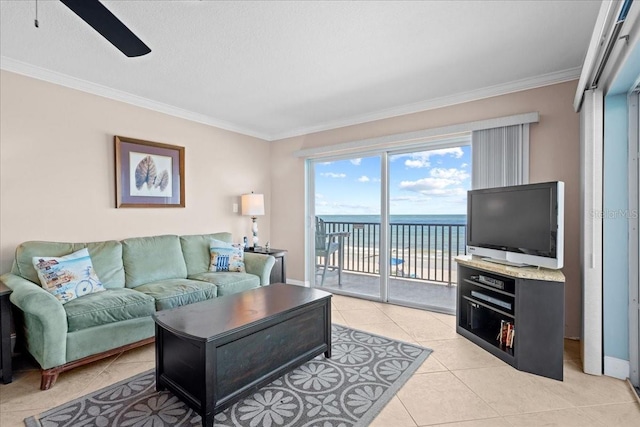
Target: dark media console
x=517, y=314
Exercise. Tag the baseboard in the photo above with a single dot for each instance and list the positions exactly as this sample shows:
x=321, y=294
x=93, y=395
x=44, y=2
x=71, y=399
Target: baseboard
x=616, y=368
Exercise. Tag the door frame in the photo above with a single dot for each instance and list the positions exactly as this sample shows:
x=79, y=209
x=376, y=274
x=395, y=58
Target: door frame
x=634, y=238
x=591, y=182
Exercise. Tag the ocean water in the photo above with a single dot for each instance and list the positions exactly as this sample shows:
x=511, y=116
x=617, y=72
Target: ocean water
x=399, y=219
x=412, y=233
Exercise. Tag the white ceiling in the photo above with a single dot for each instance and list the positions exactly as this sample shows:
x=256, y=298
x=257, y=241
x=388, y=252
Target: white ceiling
x=278, y=69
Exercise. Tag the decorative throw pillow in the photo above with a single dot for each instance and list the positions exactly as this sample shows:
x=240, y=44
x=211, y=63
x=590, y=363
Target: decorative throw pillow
x=68, y=277
x=226, y=257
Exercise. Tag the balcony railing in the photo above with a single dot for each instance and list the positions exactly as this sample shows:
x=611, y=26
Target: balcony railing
x=417, y=251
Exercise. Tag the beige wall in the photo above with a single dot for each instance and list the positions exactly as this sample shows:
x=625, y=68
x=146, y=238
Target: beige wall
x=57, y=169
x=554, y=155
x=57, y=177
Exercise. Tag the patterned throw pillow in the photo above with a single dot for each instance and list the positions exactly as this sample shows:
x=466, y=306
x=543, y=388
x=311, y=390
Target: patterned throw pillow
x=226, y=257
x=68, y=277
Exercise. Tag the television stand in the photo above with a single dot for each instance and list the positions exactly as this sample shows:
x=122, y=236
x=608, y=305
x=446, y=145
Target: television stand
x=527, y=301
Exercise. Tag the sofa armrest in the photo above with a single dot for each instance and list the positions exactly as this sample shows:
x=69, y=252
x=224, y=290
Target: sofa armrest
x=45, y=320
x=260, y=265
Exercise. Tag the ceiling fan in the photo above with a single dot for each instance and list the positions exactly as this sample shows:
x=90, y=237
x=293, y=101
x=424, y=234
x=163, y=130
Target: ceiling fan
x=108, y=25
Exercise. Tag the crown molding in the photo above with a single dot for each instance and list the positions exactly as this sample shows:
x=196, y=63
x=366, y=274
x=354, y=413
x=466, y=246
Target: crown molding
x=39, y=73
x=487, y=92
x=460, y=135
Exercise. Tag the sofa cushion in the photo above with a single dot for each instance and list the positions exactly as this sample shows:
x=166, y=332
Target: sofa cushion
x=68, y=277
x=226, y=257
x=107, y=260
x=152, y=259
x=177, y=292
x=106, y=257
x=229, y=283
x=110, y=306
x=196, y=250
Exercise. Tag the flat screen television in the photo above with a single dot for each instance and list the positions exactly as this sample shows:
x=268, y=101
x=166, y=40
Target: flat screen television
x=518, y=225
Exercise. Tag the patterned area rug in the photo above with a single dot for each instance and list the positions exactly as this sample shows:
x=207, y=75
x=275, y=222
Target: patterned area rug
x=350, y=389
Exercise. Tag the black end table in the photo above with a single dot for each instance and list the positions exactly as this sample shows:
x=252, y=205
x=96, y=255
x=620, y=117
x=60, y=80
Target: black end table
x=5, y=334
x=279, y=271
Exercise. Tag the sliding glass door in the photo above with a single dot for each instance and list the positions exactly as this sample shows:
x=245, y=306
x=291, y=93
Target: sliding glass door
x=346, y=222
x=427, y=221
x=389, y=226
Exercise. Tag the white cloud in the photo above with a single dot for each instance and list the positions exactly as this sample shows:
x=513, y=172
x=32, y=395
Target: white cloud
x=340, y=208
x=364, y=178
x=441, y=182
x=413, y=199
x=424, y=185
x=333, y=175
x=434, y=187
x=454, y=152
x=444, y=201
x=451, y=173
x=421, y=160
x=464, y=165
x=457, y=191
x=356, y=161
x=417, y=163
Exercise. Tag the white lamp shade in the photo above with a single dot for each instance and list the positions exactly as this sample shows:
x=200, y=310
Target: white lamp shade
x=252, y=204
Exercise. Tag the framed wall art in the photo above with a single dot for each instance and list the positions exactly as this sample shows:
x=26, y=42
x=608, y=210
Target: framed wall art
x=148, y=174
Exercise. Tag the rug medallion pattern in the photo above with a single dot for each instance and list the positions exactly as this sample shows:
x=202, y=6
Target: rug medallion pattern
x=350, y=389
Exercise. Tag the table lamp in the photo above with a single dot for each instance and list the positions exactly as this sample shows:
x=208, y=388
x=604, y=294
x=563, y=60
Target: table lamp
x=253, y=205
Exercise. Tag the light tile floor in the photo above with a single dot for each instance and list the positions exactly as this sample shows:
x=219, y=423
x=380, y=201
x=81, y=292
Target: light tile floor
x=459, y=385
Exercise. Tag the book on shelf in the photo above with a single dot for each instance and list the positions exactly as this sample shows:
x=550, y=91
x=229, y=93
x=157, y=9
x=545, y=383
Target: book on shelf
x=506, y=334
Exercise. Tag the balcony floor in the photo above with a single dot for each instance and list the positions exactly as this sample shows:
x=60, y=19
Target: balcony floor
x=405, y=291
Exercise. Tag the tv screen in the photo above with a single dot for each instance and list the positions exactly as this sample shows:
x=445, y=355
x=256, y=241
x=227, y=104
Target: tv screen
x=523, y=219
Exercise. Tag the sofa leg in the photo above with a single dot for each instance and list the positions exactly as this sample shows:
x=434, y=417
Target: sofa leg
x=49, y=377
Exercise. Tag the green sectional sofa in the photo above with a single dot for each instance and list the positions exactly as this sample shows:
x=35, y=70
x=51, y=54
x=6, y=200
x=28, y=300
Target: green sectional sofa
x=141, y=275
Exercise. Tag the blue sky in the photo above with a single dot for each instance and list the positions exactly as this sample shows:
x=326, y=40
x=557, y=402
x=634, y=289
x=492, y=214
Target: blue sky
x=428, y=182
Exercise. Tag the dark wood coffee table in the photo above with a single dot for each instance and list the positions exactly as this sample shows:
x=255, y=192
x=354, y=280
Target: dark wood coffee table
x=213, y=353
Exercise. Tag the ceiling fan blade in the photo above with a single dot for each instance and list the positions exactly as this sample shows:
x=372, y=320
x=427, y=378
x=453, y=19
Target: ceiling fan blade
x=103, y=21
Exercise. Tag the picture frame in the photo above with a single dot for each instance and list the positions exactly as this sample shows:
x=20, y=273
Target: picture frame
x=148, y=174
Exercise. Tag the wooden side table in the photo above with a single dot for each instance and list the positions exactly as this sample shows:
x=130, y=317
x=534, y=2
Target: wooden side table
x=279, y=271
x=5, y=334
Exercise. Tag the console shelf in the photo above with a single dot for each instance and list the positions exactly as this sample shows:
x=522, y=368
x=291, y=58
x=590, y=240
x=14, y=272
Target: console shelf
x=530, y=299
x=481, y=285
x=489, y=307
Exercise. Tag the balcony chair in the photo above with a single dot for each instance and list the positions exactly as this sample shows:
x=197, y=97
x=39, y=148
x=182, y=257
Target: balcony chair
x=326, y=245
x=397, y=263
